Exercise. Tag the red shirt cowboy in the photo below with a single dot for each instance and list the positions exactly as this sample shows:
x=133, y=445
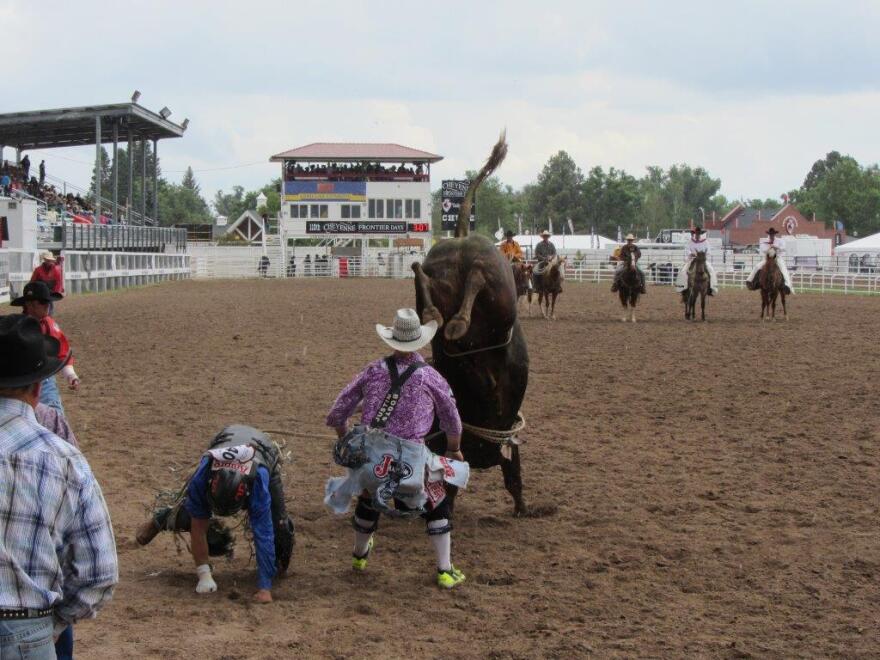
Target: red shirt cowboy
x=49, y=271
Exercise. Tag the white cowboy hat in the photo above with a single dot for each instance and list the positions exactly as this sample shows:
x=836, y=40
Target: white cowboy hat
x=45, y=255
x=630, y=237
x=407, y=334
x=546, y=233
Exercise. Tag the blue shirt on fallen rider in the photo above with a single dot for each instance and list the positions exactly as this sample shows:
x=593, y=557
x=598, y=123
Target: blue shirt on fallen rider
x=259, y=510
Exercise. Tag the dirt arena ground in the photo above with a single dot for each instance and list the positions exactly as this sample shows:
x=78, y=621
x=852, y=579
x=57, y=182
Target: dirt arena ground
x=716, y=484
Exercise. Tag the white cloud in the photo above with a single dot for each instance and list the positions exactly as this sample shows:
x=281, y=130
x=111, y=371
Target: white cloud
x=754, y=92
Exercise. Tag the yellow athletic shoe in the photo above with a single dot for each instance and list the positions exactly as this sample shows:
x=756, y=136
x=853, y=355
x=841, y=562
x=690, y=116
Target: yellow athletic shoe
x=360, y=563
x=449, y=579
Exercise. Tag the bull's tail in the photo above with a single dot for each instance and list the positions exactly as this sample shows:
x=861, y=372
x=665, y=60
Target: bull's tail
x=499, y=151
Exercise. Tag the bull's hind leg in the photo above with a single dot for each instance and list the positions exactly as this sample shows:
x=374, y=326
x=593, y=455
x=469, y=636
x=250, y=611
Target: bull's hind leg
x=423, y=293
x=458, y=325
x=512, y=471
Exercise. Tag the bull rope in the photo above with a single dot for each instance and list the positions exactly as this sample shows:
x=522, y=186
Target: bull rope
x=481, y=350
x=498, y=436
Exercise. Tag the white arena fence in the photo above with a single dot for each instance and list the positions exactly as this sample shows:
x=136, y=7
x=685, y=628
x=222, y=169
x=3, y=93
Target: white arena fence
x=815, y=274
x=86, y=271
x=235, y=262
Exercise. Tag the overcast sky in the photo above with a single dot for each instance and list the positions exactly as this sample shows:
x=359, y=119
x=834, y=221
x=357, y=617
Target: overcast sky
x=753, y=91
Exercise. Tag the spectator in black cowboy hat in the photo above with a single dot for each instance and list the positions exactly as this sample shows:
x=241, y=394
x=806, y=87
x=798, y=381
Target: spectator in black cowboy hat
x=35, y=302
x=58, y=556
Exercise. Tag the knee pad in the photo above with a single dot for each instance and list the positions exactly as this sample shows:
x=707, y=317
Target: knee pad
x=438, y=527
x=365, y=510
x=364, y=529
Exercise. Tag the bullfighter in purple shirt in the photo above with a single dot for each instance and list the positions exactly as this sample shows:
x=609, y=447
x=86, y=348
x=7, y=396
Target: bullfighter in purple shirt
x=418, y=391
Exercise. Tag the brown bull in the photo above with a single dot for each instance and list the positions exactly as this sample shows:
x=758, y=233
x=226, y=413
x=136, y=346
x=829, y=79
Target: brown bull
x=467, y=286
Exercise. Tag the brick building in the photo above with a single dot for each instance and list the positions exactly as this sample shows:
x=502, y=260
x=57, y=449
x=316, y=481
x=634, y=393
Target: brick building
x=746, y=226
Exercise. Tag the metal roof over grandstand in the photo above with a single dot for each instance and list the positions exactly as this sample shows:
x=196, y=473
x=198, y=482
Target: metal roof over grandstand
x=66, y=127
x=348, y=151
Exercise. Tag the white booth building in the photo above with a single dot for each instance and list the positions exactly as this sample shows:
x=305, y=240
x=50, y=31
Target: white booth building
x=352, y=194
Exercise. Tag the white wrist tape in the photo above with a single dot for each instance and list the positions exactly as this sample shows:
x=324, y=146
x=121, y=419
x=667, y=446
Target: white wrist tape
x=206, y=583
x=68, y=373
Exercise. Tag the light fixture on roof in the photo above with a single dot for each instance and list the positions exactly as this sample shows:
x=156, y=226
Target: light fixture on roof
x=185, y=123
x=135, y=96
x=165, y=112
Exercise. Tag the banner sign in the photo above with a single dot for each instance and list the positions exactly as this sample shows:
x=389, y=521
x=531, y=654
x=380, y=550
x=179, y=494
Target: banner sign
x=343, y=227
x=325, y=191
x=452, y=194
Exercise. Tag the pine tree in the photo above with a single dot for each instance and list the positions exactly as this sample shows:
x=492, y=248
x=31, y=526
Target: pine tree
x=189, y=181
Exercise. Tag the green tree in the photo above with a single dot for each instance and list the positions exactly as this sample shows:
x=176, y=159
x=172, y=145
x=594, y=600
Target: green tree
x=654, y=208
x=106, y=177
x=688, y=190
x=182, y=204
x=821, y=168
x=611, y=200
x=122, y=166
x=233, y=204
x=768, y=203
x=845, y=191
x=189, y=181
x=558, y=193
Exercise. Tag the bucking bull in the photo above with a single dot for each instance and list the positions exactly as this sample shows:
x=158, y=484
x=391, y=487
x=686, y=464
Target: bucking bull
x=467, y=286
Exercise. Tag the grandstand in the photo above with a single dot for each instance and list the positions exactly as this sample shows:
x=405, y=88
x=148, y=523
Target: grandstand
x=100, y=234
x=352, y=196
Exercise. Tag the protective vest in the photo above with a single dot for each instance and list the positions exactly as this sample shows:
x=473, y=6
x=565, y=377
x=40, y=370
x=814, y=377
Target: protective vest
x=243, y=449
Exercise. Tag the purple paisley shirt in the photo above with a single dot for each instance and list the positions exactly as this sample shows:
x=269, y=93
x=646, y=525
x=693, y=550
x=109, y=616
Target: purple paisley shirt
x=425, y=392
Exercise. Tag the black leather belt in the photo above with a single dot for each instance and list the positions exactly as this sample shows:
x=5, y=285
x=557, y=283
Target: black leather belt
x=25, y=613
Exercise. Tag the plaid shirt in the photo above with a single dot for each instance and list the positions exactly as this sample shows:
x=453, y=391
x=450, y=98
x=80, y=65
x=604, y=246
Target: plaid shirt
x=56, y=542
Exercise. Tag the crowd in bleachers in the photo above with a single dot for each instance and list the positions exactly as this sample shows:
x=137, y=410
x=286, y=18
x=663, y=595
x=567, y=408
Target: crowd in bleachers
x=355, y=172
x=69, y=206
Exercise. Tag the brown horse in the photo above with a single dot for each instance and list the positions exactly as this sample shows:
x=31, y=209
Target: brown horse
x=522, y=273
x=467, y=286
x=772, y=286
x=698, y=285
x=548, y=284
x=629, y=286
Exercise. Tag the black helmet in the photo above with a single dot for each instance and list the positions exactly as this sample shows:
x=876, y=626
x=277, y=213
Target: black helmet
x=227, y=492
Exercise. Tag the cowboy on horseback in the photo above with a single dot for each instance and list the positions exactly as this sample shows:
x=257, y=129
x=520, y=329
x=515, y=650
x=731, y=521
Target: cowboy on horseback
x=544, y=252
x=778, y=246
x=626, y=253
x=510, y=248
x=697, y=243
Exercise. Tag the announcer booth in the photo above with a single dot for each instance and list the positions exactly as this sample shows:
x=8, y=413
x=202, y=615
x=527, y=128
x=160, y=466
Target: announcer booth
x=356, y=199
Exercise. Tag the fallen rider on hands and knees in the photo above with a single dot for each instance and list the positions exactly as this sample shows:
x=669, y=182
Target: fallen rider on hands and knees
x=240, y=471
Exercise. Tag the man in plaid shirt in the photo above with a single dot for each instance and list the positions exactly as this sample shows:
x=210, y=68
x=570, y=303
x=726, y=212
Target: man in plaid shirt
x=57, y=552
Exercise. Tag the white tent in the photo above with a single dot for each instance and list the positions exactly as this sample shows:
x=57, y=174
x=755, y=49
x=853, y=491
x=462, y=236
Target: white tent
x=568, y=244
x=866, y=245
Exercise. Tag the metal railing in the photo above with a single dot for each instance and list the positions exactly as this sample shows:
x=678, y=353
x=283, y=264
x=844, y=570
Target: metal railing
x=129, y=238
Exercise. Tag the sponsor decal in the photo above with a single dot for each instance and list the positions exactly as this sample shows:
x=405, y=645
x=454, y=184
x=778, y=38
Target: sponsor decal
x=340, y=191
x=452, y=193
x=243, y=468
x=343, y=227
x=448, y=470
x=388, y=466
x=435, y=491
